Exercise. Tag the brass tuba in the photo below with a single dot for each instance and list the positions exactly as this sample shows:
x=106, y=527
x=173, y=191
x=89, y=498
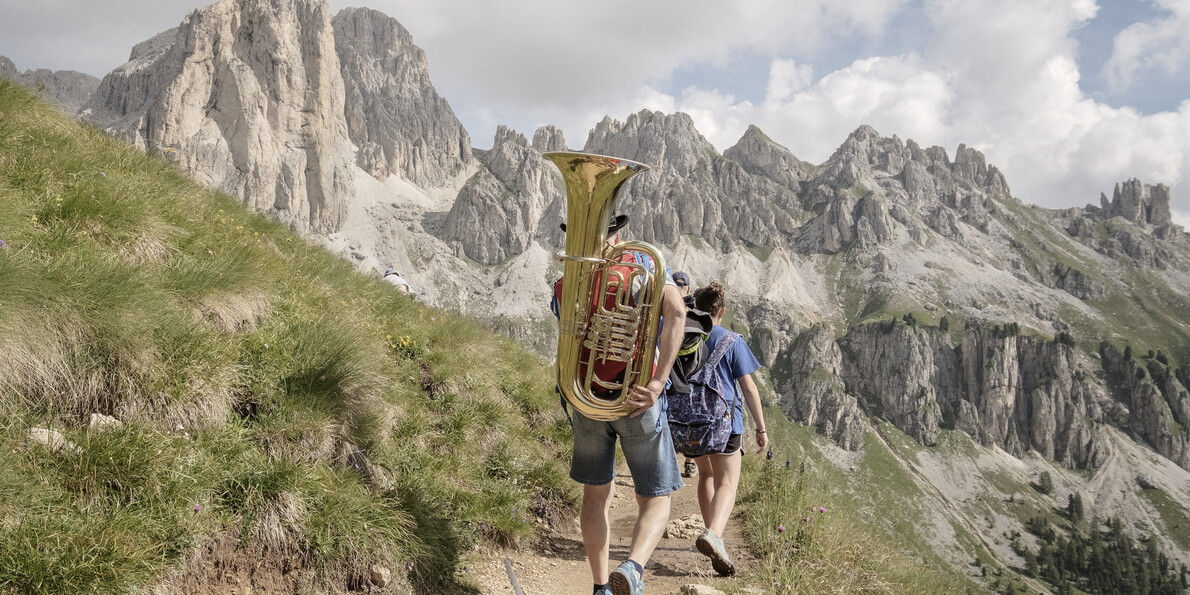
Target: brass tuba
x=590, y=331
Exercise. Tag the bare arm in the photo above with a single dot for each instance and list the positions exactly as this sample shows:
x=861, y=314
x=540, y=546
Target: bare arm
x=752, y=400
x=673, y=311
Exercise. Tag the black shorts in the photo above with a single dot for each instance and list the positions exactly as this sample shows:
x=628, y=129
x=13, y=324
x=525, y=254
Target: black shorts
x=734, y=444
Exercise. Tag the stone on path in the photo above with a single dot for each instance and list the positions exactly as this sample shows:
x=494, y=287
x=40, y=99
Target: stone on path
x=688, y=527
x=700, y=590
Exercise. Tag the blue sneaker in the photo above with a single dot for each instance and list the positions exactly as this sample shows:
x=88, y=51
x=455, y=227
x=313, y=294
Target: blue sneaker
x=625, y=580
x=712, y=547
x=604, y=592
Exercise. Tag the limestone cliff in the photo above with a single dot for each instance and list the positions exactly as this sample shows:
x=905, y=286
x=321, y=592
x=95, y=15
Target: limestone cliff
x=1157, y=400
x=248, y=97
x=500, y=209
x=394, y=116
x=691, y=189
x=1015, y=392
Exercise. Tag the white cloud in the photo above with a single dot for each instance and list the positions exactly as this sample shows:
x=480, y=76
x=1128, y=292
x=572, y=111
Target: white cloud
x=1162, y=44
x=787, y=77
x=894, y=95
x=87, y=36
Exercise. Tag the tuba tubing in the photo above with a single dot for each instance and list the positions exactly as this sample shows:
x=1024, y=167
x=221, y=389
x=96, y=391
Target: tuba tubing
x=589, y=331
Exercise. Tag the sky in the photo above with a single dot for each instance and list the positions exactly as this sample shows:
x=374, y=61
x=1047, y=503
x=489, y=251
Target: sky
x=1066, y=97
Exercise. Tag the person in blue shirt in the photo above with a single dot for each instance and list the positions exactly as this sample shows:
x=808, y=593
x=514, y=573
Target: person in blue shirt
x=719, y=474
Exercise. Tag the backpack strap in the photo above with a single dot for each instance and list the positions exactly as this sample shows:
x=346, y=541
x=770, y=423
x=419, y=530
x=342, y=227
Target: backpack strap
x=708, y=374
x=703, y=374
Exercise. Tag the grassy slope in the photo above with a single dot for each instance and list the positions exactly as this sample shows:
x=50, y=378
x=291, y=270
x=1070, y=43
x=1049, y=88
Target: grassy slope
x=245, y=364
x=821, y=529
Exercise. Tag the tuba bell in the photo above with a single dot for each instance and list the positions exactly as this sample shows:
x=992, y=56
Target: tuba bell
x=603, y=314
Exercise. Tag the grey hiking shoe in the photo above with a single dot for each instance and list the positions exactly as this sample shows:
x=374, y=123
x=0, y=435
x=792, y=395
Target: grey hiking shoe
x=625, y=580
x=712, y=547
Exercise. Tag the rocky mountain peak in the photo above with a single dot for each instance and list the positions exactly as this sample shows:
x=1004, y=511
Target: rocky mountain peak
x=501, y=208
x=1139, y=203
x=1136, y=223
x=394, y=115
x=248, y=97
x=690, y=188
x=549, y=138
x=759, y=155
x=66, y=88
x=663, y=142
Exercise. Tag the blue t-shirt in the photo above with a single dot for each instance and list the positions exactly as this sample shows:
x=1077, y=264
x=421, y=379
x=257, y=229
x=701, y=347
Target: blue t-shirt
x=736, y=363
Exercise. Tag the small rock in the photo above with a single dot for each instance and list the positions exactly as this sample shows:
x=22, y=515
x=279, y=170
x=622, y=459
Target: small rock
x=379, y=575
x=52, y=439
x=100, y=421
x=687, y=527
x=700, y=590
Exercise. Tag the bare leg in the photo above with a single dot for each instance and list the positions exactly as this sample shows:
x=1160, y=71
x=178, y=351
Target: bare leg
x=651, y=517
x=706, y=487
x=725, y=472
x=593, y=519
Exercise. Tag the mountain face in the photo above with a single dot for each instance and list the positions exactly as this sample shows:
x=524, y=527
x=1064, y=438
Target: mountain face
x=66, y=88
x=1017, y=393
x=692, y=190
x=396, y=118
x=905, y=229
x=500, y=209
x=247, y=96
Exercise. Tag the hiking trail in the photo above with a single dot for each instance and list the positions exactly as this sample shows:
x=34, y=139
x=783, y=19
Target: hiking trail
x=558, y=564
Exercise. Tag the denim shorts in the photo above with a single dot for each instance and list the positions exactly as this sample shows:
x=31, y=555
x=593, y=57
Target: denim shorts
x=646, y=444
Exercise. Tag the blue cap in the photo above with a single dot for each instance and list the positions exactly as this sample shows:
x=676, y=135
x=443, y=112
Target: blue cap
x=681, y=279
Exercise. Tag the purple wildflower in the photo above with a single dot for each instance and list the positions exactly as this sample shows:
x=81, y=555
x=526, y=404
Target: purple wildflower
x=3, y=245
x=805, y=519
x=769, y=456
x=781, y=528
x=821, y=509
x=787, y=463
x=198, y=508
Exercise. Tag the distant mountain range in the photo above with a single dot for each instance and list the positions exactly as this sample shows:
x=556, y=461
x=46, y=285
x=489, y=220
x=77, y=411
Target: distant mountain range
x=890, y=283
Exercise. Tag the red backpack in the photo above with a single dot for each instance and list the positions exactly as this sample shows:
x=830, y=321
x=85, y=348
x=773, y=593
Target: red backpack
x=606, y=370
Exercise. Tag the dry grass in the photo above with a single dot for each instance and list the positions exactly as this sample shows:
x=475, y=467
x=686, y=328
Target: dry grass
x=233, y=313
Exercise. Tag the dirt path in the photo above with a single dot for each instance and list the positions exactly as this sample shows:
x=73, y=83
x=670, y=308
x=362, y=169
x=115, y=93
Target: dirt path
x=559, y=565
